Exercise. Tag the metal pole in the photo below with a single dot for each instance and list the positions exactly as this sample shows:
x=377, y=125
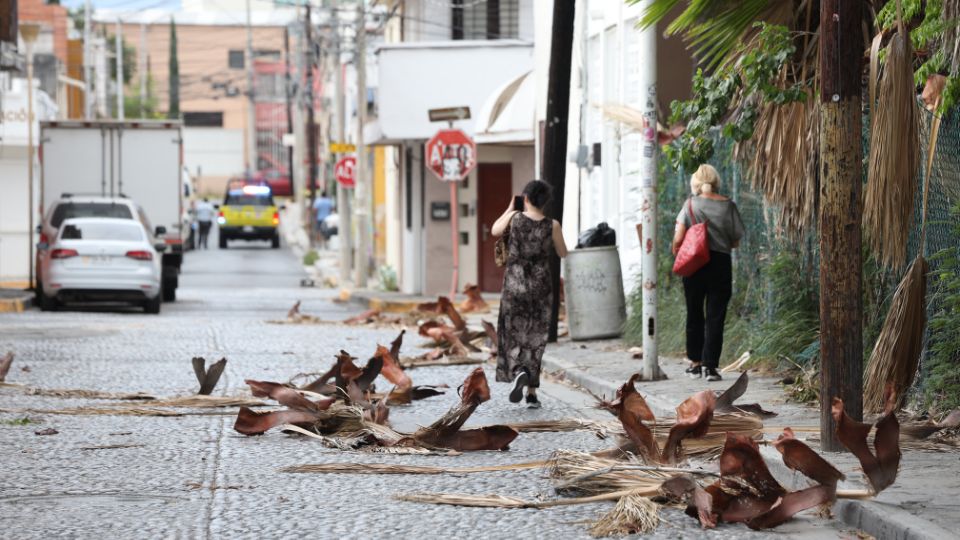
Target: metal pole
x=311, y=125
x=343, y=201
x=454, y=238
x=119, y=64
x=143, y=70
x=30, y=149
x=362, y=193
x=87, y=63
x=648, y=196
x=289, y=106
x=251, y=108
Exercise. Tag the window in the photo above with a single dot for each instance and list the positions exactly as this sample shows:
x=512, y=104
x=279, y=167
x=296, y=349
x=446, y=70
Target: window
x=485, y=19
x=121, y=230
x=204, y=119
x=235, y=59
x=92, y=209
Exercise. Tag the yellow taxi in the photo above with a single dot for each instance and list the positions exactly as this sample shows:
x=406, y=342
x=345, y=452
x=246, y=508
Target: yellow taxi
x=248, y=213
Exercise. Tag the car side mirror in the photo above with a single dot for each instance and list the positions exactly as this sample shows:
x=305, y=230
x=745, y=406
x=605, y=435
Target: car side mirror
x=283, y=207
x=160, y=231
x=160, y=247
x=217, y=206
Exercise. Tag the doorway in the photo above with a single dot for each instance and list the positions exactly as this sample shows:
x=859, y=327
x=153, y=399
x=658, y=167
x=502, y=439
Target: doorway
x=494, y=192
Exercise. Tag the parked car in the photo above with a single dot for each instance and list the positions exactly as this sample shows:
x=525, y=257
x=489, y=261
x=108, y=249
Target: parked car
x=277, y=179
x=102, y=259
x=248, y=213
x=77, y=206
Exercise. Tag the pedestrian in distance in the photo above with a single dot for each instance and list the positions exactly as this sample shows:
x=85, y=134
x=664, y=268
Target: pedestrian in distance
x=527, y=297
x=323, y=206
x=205, y=213
x=712, y=284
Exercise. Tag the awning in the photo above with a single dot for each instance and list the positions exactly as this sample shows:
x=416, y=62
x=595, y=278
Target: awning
x=508, y=114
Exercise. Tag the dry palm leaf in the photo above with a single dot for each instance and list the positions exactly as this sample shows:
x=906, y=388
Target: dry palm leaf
x=894, y=156
x=881, y=464
x=474, y=302
x=634, y=513
x=501, y=501
x=208, y=378
x=386, y=468
x=565, y=424
x=579, y=472
x=89, y=394
x=110, y=411
x=896, y=355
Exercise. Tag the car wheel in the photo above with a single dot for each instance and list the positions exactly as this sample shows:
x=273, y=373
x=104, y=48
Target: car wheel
x=275, y=241
x=47, y=303
x=223, y=242
x=153, y=306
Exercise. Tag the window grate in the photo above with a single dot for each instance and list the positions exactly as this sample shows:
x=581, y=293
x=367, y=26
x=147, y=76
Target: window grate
x=489, y=19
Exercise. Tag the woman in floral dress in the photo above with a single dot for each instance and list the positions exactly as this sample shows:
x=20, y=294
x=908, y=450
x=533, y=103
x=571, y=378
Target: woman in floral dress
x=527, y=296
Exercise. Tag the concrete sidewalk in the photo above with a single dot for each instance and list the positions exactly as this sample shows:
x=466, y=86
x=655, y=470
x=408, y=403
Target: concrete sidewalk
x=924, y=502
x=15, y=300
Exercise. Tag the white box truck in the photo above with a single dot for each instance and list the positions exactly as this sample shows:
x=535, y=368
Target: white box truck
x=138, y=160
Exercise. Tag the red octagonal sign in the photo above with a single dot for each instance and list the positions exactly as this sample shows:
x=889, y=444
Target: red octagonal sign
x=344, y=171
x=451, y=155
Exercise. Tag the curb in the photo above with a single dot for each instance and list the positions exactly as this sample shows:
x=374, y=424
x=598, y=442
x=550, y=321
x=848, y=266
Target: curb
x=883, y=521
x=16, y=305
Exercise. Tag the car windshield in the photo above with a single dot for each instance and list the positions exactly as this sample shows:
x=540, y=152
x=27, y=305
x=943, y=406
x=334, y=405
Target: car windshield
x=245, y=199
x=89, y=209
x=102, y=231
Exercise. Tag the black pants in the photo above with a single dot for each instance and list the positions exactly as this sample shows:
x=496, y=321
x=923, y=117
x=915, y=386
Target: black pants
x=204, y=233
x=712, y=285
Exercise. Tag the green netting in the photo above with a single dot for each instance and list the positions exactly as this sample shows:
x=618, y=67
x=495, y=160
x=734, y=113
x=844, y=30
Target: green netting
x=776, y=278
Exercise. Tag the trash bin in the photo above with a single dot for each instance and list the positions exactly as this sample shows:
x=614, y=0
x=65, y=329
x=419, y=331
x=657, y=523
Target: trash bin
x=593, y=285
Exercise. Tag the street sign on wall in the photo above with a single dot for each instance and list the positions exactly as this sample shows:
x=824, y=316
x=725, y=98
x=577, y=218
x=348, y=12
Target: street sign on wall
x=344, y=172
x=342, y=148
x=451, y=155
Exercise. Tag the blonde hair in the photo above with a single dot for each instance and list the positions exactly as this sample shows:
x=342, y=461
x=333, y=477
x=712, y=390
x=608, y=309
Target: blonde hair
x=705, y=180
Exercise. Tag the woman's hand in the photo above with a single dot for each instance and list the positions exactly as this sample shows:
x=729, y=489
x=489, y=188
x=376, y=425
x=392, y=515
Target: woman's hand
x=502, y=222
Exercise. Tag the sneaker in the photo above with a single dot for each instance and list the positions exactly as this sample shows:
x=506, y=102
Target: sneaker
x=532, y=401
x=712, y=375
x=694, y=372
x=518, y=383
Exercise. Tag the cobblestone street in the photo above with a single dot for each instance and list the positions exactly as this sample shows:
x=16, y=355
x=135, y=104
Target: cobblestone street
x=195, y=477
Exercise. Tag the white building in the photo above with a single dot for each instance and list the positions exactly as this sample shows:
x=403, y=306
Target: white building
x=15, y=204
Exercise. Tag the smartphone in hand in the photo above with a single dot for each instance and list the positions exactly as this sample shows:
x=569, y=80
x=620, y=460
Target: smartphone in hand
x=518, y=203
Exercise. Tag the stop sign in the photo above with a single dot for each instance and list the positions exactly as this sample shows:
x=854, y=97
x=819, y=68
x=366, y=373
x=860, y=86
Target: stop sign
x=344, y=171
x=451, y=155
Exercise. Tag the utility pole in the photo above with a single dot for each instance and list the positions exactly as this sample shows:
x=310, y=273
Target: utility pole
x=289, y=105
x=251, y=107
x=119, y=64
x=343, y=199
x=143, y=70
x=841, y=209
x=87, y=63
x=554, y=165
x=648, y=199
x=311, y=125
x=362, y=194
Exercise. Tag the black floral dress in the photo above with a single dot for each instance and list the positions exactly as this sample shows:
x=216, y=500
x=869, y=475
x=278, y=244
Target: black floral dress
x=526, y=300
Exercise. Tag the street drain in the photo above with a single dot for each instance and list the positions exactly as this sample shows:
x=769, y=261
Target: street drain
x=93, y=501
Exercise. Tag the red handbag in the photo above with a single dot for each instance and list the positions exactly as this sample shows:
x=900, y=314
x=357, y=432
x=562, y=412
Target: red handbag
x=694, y=252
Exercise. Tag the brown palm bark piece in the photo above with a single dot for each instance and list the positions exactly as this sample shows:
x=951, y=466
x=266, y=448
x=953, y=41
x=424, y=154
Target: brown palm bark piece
x=208, y=378
x=474, y=302
x=700, y=503
x=790, y=505
x=631, y=409
x=800, y=457
x=733, y=393
x=366, y=317
x=395, y=346
x=286, y=396
x=5, y=364
x=693, y=420
x=880, y=469
x=741, y=459
x=491, y=336
x=250, y=422
x=450, y=311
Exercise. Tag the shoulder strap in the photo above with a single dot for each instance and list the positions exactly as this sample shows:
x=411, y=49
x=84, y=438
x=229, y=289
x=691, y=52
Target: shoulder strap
x=693, y=217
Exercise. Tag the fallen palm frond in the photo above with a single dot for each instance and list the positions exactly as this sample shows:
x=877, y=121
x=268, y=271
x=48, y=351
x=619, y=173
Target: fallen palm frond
x=894, y=156
x=112, y=446
x=203, y=402
x=579, y=472
x=565, y=424
x=896, y=355
x=708, y=446
x=112, y=411
x=634, y=513
x=5, y=362
x=89, y=394
x=474, y=302
x=385, y=468
x=501, y=501
x=438, y=360
x=208, y=378
x=881, y=464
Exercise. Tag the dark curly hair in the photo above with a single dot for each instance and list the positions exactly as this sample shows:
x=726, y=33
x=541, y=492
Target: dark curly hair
x=538, y=192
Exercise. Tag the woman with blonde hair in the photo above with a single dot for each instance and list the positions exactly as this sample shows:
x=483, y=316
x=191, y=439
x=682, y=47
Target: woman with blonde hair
x=712, y=285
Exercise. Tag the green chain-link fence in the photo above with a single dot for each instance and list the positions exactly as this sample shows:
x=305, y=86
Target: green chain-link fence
x=774, y=312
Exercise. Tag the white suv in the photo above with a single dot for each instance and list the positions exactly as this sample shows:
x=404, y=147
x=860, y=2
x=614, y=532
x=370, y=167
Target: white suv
x=81, y=206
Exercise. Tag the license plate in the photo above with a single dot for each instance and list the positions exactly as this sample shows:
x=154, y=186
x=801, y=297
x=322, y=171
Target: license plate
x=96, y=260
x=247, y=228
